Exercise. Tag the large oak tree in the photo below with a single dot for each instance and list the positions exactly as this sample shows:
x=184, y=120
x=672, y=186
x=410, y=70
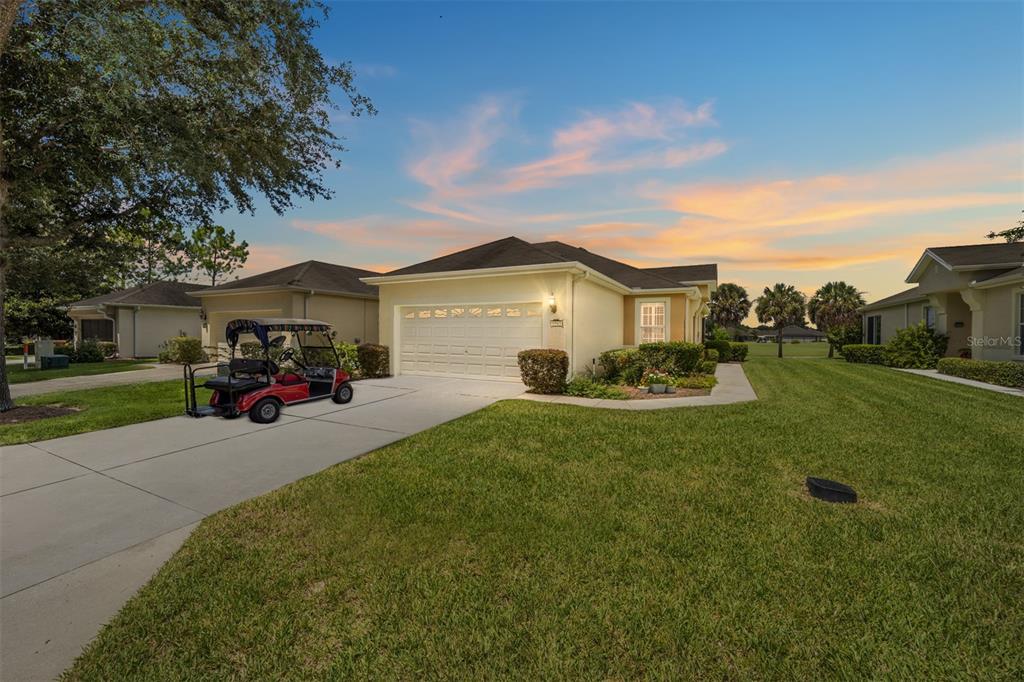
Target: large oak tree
x=180, y=108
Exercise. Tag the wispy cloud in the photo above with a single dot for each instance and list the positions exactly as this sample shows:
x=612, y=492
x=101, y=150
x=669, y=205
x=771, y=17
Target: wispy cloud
x=371, y=70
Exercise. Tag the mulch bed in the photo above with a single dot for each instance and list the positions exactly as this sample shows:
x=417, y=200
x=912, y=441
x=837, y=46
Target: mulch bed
x=643, y=394
x=31, y=413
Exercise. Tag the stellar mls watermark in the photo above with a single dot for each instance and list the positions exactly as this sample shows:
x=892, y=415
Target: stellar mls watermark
x=994, y=341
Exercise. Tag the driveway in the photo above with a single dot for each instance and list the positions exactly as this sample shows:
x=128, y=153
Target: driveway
x=86, y=520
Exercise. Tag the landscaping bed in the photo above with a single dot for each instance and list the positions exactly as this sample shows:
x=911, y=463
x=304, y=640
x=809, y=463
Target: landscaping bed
x=547, y=541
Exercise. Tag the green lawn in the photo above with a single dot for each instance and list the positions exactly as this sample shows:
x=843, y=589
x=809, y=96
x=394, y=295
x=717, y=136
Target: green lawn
x=789, y=350
x=16, y=374
x=102, y=408
x=548, y=541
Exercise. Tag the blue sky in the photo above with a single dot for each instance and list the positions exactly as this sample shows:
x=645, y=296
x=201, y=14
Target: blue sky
x=786, y=142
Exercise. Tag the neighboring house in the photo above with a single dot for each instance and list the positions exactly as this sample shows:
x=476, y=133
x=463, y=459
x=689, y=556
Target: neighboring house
x=791, y=333
x=973, y=294
x=312, y=290
x=471, y=312
x=138, y=319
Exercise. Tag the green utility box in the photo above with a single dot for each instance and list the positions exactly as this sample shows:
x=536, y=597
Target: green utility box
x=53, y=361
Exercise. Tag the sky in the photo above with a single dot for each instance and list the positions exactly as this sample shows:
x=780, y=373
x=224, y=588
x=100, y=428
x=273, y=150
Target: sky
x=798, y=143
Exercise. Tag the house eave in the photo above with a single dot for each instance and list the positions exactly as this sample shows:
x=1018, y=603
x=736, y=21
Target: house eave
x=280, y=288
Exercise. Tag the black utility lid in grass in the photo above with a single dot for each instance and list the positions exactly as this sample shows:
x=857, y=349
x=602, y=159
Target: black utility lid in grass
x=830, y=491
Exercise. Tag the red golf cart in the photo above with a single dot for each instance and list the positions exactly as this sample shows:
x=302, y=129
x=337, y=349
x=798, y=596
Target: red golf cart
x=307, y=369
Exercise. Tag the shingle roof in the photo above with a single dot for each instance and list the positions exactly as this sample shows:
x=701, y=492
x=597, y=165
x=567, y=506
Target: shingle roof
x=907, y=296
x=513, y=251
x=311, y=274
x=793, y=330
x=154, y=293
x=981, y=255
x=688, y=273
x=998, y=278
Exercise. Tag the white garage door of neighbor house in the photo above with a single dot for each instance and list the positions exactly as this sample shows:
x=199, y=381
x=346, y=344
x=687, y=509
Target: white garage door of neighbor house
x=471, y=340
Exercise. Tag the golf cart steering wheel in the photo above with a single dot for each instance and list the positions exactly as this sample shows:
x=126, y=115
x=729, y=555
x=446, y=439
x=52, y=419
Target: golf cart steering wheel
x=289, y=354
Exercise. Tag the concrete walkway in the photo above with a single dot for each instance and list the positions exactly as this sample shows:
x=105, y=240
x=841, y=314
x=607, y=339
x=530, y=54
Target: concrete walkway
x=134, y=376
x=934, y=374
x=732, y=387
x=86, y=520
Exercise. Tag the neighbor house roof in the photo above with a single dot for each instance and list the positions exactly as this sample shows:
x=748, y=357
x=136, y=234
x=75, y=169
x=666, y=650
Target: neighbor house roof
x=310, y=275
x=971, y=257
x=512, y=251
x=908, y=296
x=154, y=293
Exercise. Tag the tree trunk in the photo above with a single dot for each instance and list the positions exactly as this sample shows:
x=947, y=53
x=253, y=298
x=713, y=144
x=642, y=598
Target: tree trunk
x=831, y=349
x=779, y=337
x=8, y=13
x=6, y=402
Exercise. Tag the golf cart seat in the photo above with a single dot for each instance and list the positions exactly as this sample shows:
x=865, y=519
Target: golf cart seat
x=244, y=375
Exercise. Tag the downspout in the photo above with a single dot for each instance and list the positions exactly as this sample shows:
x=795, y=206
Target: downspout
x=305, y=304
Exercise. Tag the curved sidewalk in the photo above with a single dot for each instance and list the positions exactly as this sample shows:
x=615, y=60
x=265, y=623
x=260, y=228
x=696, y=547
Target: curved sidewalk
x=732, y=387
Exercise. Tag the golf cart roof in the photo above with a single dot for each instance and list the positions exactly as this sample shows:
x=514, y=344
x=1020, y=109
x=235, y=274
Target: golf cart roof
x=259, y=326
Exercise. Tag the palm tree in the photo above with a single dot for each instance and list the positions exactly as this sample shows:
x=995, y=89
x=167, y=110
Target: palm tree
x=780, y=306
x=834, y=306
x=729, y=305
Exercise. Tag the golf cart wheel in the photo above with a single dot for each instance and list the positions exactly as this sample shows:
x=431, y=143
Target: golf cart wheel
x=265, y=411
x=343, y=394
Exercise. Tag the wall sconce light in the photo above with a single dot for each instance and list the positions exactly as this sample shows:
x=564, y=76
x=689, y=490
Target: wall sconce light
x=551, y=304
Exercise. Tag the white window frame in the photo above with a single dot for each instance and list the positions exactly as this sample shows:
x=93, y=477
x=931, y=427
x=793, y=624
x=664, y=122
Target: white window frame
x=638, y=305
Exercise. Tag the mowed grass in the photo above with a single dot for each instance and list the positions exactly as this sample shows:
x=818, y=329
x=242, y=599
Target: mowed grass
x=100, y=408
x=16, y=374
x=539, y=541
x=789, y=350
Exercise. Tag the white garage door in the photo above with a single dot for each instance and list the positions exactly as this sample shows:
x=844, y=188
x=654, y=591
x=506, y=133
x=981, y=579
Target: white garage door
x=470, y=340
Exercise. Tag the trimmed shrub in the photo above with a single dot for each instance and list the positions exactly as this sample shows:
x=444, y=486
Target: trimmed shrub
x=867, y=353
x=108, y=348
x=183, y=350
x=738, y=352
x=374, y=360
x=711, y=354
x=915, y=347
x=707, y=367
x=588, y=388
x=723, y=346
x=671, y=357
x=544, y=369
x=348, y=353
x=615, y=364
x=88, y=351
x=1004, y=373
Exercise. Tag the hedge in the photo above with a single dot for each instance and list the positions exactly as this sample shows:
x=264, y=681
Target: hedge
x=915, y=347
x=723, y=346
x=671, y=357
x=374, y=360
x=544, y=370
x=738, y=352
x=711, y=355
x=182, y=350
x=869, y=353
x=1005, y=373
x=621, y=364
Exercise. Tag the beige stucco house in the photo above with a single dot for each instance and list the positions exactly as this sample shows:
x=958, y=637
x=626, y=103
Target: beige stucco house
x=310, y=290
x=138, y=319
x=973, y=294
x=470, y=313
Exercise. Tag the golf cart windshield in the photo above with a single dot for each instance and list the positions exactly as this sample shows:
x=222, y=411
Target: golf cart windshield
x=311, y=344
x=261, y=328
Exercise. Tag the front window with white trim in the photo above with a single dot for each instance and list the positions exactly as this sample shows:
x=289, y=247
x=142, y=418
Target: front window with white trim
x=652, y=322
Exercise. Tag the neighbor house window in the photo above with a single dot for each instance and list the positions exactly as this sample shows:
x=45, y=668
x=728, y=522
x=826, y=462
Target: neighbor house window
x=1020, y=324
x=929, y=316
x=652, y=322
x=874, y=329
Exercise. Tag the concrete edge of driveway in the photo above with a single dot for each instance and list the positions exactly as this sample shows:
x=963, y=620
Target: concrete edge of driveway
x=732, y=387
